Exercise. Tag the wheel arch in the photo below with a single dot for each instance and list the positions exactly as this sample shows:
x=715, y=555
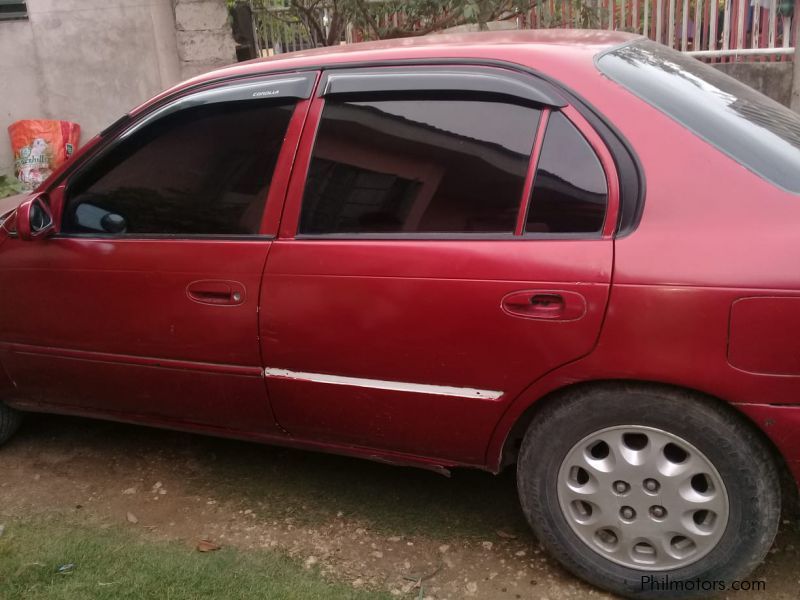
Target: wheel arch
x=513, y=438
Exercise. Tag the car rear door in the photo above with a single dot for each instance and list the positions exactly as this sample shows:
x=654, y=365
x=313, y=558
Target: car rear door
x=426, y=272
x=145, y=304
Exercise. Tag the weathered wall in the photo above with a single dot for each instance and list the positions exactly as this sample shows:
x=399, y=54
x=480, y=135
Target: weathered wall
x=89, y=61
x=771, y=78
x=204, y=36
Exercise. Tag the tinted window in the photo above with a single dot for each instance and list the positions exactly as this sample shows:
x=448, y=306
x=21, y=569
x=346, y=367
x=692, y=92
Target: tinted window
x=203, y=170
x=756, y=131
x=418, y=166
x=569, y=190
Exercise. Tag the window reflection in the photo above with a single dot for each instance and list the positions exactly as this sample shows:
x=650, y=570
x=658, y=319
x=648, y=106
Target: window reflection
x=203, y=170
x=751, y=128
x=411, y=166
x=569, y=191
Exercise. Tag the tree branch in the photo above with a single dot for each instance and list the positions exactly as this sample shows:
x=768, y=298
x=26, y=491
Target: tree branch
x=308, y=15
x=452, y=19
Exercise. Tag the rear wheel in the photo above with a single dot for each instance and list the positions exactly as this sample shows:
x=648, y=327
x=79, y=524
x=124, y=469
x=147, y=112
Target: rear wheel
x=10, y=421
x=649, y=492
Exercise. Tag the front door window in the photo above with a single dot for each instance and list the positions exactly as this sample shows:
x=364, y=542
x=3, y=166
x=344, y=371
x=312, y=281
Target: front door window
x=204, y=170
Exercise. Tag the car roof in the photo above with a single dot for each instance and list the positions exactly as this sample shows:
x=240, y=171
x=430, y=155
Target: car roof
x=593, y=39
x=520, y=46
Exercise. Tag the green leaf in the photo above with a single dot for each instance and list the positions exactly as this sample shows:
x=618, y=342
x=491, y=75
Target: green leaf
x=10, y=186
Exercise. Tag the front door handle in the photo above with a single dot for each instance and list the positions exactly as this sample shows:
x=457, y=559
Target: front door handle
x=545, y=304
x=216, y=291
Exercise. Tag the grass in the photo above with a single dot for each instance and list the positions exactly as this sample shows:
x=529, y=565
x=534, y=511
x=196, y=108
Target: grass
x=113, y=564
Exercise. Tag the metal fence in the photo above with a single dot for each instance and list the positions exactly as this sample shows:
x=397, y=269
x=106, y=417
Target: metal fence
x=716, y=30
x=704, y=28
x=278, y=30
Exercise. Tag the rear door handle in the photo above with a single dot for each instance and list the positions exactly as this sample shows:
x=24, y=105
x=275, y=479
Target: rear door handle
x=545, y=304
x=216, y=291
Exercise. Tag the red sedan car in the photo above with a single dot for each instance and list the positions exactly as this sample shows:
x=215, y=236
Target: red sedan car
x=576, y=252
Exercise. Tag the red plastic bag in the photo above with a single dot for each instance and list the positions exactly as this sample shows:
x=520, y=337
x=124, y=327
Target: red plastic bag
x=40, y=147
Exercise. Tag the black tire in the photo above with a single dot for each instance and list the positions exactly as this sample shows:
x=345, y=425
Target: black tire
x=740, y=455
x=10, y=420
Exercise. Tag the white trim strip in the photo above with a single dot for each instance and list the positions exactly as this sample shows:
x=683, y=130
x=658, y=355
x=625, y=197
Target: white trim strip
x=379, y=384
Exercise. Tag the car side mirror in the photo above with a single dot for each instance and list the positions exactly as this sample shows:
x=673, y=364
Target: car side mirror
x=34, y=219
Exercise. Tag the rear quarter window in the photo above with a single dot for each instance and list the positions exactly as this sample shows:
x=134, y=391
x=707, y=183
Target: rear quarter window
x=569, y=191
x=754, y=130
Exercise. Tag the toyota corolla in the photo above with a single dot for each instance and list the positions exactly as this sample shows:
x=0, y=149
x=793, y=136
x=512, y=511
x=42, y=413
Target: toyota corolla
x=572, y=252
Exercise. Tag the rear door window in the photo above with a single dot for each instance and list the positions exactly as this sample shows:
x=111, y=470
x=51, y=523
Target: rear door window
x=400, y=165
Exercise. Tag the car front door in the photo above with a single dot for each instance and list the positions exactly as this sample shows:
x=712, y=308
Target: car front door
x=446, y=241
x=145, y=303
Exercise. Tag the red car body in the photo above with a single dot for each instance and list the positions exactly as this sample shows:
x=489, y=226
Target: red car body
x=423, y=351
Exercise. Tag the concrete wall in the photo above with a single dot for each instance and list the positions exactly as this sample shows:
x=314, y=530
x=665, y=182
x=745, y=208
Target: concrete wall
x=771, y=78
x=89, y=61
x=205, y=39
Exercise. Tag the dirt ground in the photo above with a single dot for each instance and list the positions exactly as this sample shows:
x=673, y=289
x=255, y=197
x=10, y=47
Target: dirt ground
x=372, y=526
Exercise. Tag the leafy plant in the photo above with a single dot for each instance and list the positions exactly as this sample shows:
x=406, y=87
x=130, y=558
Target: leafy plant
x=10, y=186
